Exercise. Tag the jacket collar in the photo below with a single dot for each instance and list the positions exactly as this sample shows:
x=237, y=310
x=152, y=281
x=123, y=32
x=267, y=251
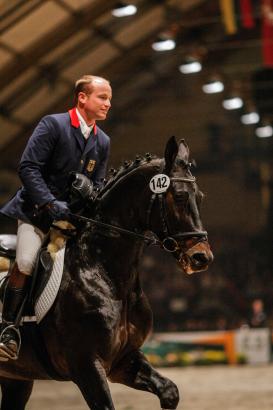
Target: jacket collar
x=74, y=120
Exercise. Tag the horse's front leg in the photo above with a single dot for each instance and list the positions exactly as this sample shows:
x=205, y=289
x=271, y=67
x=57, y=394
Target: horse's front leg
x=90, y=377
x=135, y=371
x=15, y=393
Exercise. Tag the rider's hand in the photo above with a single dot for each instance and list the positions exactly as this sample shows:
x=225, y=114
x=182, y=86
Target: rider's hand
x=58, y=210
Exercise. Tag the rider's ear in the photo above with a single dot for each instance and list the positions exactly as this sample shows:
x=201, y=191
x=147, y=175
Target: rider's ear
x=171, y=151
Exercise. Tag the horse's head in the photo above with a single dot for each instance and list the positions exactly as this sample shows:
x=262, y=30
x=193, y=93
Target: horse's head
x=159, y=195
x=177, y=222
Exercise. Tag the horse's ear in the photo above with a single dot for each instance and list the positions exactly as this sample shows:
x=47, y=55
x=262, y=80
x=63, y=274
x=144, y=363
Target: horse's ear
x=183, y=150
x=171, y=151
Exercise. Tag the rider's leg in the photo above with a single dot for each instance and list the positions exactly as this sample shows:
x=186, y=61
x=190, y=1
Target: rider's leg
x=29, y=241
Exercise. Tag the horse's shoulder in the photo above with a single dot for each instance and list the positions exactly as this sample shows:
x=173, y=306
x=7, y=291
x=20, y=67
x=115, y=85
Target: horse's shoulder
x=92, y=292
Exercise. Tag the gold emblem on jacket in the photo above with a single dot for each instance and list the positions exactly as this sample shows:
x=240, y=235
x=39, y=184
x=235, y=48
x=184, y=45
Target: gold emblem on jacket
x=91, y=165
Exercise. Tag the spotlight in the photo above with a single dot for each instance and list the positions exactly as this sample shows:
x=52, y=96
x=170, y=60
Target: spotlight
x=232, y=103
x=123, y=10
x=190, y=65
x=164, y=44
x=213, y=87
x=264, y=131
x=250, y=118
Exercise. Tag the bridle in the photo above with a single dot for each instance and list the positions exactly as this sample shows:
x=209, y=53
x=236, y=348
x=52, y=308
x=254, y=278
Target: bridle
x=170, y=241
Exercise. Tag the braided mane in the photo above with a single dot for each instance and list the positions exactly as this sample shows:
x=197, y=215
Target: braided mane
x=116, y=175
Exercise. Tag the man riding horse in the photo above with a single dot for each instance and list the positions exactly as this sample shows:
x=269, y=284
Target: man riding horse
x=60, y=145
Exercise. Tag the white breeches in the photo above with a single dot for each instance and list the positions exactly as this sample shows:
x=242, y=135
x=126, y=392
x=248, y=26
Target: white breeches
x=29, y=241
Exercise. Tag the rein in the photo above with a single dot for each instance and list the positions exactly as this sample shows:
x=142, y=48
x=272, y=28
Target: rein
x=169, y=243
x=146, y=238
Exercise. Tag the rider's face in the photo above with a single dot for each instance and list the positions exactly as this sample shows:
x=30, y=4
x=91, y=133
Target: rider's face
x=97, y=103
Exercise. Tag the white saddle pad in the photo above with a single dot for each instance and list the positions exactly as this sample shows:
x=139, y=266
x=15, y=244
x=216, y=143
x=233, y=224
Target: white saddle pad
x=47, y=297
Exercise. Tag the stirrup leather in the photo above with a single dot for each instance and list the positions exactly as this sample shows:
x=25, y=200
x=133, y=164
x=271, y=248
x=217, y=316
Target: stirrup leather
x=10, y=352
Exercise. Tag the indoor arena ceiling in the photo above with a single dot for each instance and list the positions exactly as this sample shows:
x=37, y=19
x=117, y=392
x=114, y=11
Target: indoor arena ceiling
x=46, y=45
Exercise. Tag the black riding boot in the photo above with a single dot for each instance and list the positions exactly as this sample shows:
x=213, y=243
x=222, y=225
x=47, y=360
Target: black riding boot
x=14, y=297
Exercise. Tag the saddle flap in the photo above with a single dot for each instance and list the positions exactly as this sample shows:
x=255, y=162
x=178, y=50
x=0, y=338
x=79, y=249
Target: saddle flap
x=41, y=275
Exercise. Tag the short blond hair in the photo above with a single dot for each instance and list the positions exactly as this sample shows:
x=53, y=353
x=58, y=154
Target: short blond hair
x=84, y=84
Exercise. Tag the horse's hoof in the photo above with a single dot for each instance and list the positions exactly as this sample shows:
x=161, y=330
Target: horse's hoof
x=169, y=397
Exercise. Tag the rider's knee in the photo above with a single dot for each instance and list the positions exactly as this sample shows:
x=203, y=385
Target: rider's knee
x=25, y=265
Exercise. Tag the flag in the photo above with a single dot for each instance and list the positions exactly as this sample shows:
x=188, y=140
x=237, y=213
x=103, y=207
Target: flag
x=228, y=16
x=267, y=32
x=247, y=17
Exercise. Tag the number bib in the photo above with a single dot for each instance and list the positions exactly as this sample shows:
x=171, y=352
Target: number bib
x=159, y=183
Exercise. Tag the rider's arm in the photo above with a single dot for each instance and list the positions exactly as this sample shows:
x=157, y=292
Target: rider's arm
x=32, y=167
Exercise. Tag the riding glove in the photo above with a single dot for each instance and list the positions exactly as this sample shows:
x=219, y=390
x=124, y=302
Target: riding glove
x=58, y=210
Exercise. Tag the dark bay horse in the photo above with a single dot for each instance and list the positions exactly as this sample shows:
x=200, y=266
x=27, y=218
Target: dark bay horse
x=101, y=316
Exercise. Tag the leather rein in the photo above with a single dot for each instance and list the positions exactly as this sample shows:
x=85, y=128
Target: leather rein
x=169, y=243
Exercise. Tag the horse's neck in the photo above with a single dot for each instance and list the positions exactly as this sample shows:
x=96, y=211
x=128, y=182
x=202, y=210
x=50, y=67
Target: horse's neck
x=122, y=251
x=128, y=198
x=113, y=257
x=125, y=206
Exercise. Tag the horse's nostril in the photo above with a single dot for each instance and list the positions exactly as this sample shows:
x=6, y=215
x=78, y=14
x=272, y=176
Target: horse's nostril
x=200, y=258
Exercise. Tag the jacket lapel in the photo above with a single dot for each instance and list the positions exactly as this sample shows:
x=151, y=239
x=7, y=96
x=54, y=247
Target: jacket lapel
x=76, y=129
x=91, y=142
x=79, y=137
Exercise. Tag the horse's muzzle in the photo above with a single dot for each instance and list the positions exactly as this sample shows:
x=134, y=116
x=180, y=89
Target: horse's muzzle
x=197, y=258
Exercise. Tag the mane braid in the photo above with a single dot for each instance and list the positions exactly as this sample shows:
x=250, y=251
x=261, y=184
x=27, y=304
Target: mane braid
x=115, y=176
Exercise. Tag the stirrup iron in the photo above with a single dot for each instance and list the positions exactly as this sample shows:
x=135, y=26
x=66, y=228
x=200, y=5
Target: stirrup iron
x=7, y=353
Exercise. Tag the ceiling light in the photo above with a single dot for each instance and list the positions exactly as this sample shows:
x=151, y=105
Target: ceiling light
x=264, y=131
x=213, y=87
x=123, y=10
x=233, y=103
x=190, y=65
x=164, y=44
x=250, y=118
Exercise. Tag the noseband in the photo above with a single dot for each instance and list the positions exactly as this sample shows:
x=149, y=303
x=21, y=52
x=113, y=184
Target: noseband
x=170, y=242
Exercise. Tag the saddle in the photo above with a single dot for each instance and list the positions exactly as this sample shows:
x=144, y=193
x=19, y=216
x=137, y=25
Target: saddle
x=39, y=300
x=41, y=274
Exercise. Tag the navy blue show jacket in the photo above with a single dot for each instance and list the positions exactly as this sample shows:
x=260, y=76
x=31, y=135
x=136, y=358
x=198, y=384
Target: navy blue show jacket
x=56, y=148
